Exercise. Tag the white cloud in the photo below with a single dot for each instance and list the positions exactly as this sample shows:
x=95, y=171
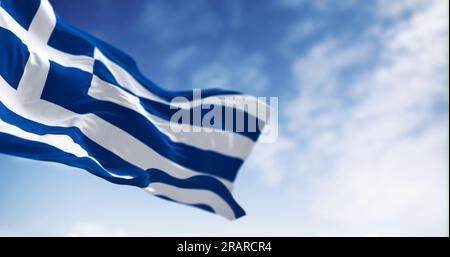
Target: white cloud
x=320, y=5
x=365, y=153
x=371, y=154
x=180, y=57
x=178, y=21
x=233, y=70
x=181, y=21
x=271, y=162
x=395, y=9
x=297, y=32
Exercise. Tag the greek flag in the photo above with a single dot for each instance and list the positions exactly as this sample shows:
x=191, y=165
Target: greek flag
x=68, y=97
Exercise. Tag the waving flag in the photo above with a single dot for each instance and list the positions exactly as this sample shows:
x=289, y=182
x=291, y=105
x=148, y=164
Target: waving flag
x=68, y=97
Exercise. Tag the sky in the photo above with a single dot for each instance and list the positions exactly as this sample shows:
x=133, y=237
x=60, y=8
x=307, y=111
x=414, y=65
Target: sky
x=363, y=91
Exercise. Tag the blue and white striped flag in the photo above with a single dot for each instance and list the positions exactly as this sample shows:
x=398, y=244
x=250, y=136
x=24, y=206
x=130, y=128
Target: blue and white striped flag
x=68, y=97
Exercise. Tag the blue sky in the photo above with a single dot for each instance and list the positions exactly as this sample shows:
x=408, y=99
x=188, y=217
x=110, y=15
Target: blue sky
x=363, y=94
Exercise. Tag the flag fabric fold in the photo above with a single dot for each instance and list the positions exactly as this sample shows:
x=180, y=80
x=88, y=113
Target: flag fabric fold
x=68, y=97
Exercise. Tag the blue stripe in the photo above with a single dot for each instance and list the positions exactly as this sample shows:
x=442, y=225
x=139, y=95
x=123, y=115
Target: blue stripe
x=126, y=62
x=165, y=112
x=20, y=147
x=108, y=160
x=82, y=44
x=70, y=39
x=73, y=96
x=204, y=207
x=208, y=162
x=101, y=71
x=199, y=182
x=13, y=57
x=23, y=11
x=38, y=151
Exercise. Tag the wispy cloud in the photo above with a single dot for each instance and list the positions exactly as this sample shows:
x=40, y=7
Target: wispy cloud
x=363, y=89
x=319, y=5
x=169, y=21
x=233, y=69
x=180, y=57
x=372, y=133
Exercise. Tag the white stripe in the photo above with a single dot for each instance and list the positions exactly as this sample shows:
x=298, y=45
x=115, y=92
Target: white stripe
x=7, y=22
x=36, y=70
x=43, y=23
x=62, y=142
x=33, y=40
x=193, y=196
x=129, y=82
x=34, y=77
x=81, y=62
x=231, y=144
x=111, y=137
x=122, y=76
x=103, y=133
